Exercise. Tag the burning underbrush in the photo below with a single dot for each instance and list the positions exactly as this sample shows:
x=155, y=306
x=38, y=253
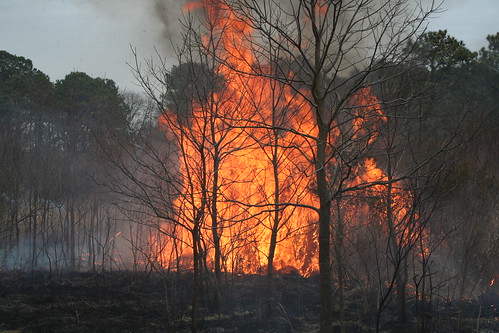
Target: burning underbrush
x=158, y=302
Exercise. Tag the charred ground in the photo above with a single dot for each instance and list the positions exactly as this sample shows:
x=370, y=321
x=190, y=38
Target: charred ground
x=132, y=302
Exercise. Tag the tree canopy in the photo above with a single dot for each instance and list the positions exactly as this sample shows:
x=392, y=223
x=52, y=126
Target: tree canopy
x=439, y=51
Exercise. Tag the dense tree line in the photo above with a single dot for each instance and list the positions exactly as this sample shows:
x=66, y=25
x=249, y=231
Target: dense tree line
x=53, y=214
x=94, y=178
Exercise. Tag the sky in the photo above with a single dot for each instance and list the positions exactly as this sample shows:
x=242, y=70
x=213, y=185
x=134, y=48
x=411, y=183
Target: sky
x=97, y=36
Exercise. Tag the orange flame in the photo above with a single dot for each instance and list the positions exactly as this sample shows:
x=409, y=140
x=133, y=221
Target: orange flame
x=192, y=5
x=254, y=135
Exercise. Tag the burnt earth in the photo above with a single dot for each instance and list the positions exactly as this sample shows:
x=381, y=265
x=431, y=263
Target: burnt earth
x=79, y=303
x=154, y=302
x=128, y=302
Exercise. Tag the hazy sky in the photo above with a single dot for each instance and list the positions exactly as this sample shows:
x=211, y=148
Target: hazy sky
x=94, y=36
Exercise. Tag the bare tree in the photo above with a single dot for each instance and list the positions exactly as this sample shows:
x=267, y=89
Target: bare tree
x=332, y=47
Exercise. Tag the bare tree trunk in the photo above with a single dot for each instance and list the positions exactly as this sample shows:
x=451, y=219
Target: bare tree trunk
x=401, y=292
x=72, y=231
x=275, y=220
x=94, y=217
x=214, y=223
x=400, y=262
x=326, y=324
x=338, y=247
x=197, y=266
x=34, y=229
x=270, y=268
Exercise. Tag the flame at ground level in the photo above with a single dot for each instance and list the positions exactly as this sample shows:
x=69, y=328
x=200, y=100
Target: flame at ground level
x=263, y=192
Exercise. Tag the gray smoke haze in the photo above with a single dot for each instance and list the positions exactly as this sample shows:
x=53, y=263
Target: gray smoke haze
x=146, y=26
x=94, y=36
x=170, y=12
x=149, y=24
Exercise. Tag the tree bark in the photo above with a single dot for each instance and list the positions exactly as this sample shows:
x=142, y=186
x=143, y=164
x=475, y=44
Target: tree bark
x=326, y=324
x=338, y=247
x=215, y=232
x=196, y=279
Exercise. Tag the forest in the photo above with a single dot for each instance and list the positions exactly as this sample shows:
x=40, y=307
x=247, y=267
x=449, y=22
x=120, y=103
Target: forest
x=322, y=167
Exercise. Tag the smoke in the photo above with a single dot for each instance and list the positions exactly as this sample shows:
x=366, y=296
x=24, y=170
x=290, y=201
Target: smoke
x=154, y=25
x=149, y=25
x=114, y=30
x=169, y=13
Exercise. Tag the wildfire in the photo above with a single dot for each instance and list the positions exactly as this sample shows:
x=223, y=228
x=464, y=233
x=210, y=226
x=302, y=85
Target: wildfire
x=193, y=5
x=245, y=161
x=492, y=282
